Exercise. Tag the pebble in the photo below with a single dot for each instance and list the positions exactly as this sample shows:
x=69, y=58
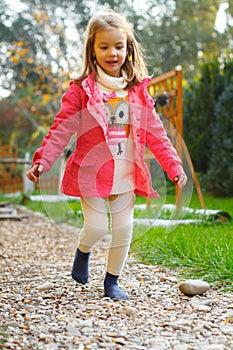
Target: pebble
x=194, y=287
x=214, y=347
x=45, y=286
x=127, y=310
x=227, y=330
x=181, y=347
x=43, y=308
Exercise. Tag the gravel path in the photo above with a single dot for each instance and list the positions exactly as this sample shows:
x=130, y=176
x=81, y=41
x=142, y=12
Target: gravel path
x=43, y=308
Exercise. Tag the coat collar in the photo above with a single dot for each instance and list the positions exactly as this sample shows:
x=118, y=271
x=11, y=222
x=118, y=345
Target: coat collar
x=95, y=104
x=138, y=98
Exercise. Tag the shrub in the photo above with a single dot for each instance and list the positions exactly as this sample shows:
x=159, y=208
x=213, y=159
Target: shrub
x=219, y=177
x=208, y=125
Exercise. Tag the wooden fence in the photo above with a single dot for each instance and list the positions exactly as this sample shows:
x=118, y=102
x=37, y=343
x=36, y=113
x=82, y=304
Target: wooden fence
x=13, y=174
x=10, y=173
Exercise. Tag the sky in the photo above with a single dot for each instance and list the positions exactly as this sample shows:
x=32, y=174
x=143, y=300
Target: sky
x=221, y=19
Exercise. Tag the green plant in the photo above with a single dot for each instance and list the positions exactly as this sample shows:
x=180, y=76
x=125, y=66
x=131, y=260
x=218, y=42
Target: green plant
x=219, y=177
x=208, y=125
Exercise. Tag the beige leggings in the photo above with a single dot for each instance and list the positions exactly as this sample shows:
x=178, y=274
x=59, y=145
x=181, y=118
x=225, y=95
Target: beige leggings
x=96, y=224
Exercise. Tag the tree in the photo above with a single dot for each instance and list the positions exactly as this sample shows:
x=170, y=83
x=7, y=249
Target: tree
x=34, y=55
x=181, y=32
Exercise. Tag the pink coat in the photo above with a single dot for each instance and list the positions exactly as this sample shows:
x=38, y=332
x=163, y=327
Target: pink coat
x=90, y=169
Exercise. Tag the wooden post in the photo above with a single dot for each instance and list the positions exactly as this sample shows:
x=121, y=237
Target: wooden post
x=28, y=186
x=179, y=127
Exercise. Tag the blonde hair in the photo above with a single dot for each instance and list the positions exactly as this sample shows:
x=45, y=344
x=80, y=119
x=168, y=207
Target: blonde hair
x=134, y=65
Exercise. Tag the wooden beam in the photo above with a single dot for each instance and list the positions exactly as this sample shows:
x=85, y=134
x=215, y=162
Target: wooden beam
x=14, y=161
x=164, y=76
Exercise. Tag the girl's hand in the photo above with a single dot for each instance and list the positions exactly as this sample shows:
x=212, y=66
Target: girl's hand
x=180, y=180
x=35, y=172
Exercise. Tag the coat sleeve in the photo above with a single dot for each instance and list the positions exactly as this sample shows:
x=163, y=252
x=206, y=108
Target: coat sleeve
x=64, y=126
x=161, y=146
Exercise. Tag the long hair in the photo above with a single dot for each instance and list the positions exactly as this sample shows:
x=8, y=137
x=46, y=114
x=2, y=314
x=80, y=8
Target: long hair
x=134, y=65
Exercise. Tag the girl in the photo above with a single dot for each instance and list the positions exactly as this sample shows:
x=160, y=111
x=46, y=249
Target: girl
x=109, y=108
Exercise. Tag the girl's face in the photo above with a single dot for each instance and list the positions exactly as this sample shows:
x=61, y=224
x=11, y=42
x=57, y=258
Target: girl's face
x=110, y=48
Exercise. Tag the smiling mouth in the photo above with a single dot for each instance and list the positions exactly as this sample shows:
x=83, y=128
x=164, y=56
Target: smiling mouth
x=111, y=62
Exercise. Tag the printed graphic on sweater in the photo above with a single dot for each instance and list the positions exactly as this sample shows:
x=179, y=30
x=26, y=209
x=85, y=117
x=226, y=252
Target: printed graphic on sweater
x=118, y=123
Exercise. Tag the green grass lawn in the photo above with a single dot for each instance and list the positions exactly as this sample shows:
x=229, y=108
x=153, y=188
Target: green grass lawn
x=196, y=251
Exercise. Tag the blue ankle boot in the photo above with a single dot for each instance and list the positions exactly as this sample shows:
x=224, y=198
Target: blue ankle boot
x=111, y=288
x=80, y=267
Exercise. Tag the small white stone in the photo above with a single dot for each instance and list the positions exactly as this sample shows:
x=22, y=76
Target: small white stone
x=132, y=284
x=81, y=347
x=181, y=347
x=45, y=286
x=202, y=307
x=127, y=310
x=227, y=330
x=85, y=323
x=213, y=347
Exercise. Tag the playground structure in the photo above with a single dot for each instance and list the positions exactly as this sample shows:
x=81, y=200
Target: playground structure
x=167, y=93
x=169, y=85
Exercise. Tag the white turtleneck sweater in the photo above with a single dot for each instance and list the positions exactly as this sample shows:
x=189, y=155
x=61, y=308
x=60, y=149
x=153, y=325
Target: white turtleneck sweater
x=120, y=138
